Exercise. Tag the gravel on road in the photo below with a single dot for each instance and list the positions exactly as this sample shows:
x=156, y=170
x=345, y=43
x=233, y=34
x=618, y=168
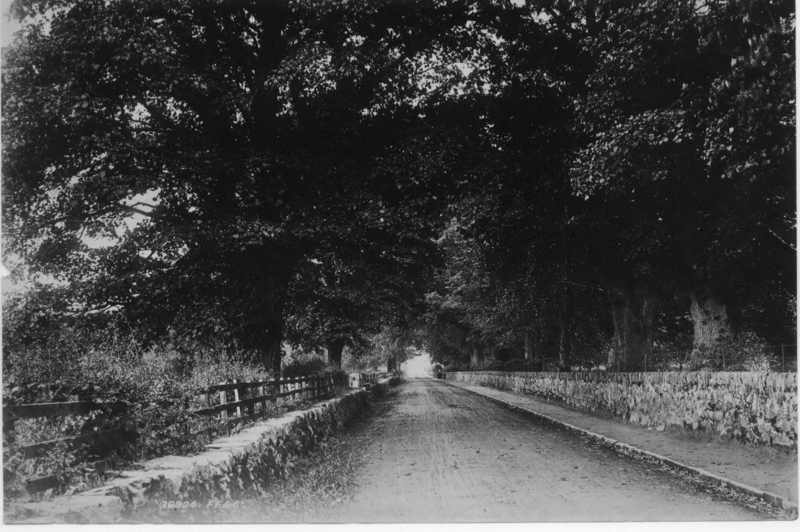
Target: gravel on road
x=432, y=453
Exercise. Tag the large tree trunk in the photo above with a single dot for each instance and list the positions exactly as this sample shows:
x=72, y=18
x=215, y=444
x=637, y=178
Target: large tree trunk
x=634, y=313
x=565, y=341
x=273, y=350
x=711, y=321
x=711, y=324
x=534, y=346
x=528, y=345
x=335, y=348
x=391, y=364
x=490, y=353
x=271, y=271
x=474, y=355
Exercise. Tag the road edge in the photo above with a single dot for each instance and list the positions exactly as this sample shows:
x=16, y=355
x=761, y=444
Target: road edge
x=179, y=478
x=778, y=501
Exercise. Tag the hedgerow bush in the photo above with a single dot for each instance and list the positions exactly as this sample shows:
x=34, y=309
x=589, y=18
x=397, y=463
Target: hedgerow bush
x=745, y=352
x=61, y=462
x=49, y=357
x=160, y=388
x=516, y=364
x=522, y=365
x=300, y=365
x=455, y=366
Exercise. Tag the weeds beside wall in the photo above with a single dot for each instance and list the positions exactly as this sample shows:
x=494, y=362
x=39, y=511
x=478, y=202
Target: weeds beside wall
x=756, y=407
x=162, y=394
x=229, y=469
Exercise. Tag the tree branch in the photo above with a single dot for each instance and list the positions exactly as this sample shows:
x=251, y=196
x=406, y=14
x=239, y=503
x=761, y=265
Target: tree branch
x=790, y=246
x=132, y=208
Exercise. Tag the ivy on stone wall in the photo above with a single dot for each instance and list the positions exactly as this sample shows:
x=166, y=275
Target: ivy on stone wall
x=272, y=459
x=756, y=407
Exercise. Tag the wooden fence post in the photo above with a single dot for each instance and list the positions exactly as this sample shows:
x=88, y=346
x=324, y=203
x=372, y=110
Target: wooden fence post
x=223, y=399
x=263, y=403
x=236, y=399
x=251, y=408
x=783, y=358
x=223, y=415
x=205, y=402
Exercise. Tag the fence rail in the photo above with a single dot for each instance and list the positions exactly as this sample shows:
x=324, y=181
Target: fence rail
x=372, y=378
x=100, y=443
x=232, y=401
x=69, y=408
x=226, y=405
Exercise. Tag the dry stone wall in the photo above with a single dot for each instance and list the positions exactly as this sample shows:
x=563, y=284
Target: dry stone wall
x=241, y=465
x=757, y=407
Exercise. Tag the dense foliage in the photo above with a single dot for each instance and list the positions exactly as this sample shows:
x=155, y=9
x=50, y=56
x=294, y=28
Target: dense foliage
x=554, y=183
x=161, y=389
x=651, y=214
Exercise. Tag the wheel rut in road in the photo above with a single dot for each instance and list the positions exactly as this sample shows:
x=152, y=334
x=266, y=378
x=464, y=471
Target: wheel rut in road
x=442, y=454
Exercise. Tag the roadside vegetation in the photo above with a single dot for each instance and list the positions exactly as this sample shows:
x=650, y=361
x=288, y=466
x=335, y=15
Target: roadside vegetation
x=198, y=191
x=321, y=479
x=160, y=389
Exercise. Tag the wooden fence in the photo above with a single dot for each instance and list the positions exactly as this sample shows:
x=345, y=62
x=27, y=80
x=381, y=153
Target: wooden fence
x=98, y=443
x=371, y=378
x=235, y=402
x=226, y=404
x=50, y=410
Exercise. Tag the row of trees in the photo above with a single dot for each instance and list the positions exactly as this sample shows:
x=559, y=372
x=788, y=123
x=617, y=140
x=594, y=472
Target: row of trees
x=659, y=183
x=541, y=180
x=208, y=169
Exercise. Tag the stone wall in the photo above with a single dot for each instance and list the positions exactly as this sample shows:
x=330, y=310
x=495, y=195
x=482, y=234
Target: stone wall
x=244, y=464
x=756, y=407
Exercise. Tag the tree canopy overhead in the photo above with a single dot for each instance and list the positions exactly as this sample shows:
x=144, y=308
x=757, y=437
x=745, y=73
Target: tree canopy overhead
x=241, y=135
x=530, y=178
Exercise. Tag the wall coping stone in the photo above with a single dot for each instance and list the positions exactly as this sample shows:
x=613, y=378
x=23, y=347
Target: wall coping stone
x=104, y=504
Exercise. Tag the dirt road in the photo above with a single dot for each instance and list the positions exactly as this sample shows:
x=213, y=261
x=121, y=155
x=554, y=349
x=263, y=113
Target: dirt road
x=441, y=454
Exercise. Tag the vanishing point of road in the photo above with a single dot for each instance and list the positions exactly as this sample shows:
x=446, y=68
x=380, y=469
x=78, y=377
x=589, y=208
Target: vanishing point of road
x=443, y=454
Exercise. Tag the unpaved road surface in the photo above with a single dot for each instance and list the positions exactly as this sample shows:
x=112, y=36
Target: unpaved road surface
x=442, y=454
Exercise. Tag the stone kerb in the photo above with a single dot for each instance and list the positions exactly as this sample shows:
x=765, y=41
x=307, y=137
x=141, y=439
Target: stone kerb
x=758, y=407
x=246, y=462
